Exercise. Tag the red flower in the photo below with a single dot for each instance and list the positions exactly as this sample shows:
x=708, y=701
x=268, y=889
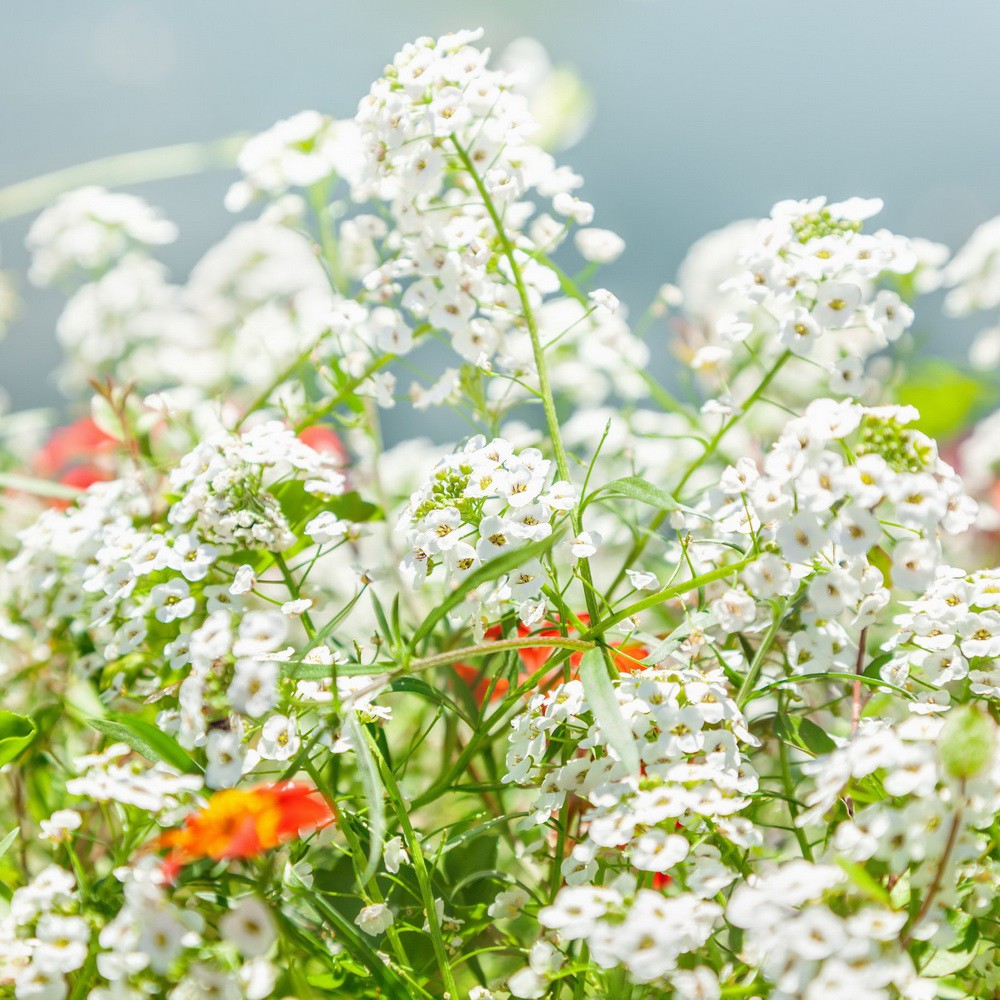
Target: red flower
x=324, y=440
x=76, y=455
x=533, y=659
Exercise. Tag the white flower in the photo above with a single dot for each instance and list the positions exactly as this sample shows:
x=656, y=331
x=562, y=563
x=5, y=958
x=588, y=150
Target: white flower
x=585, y=544
x=244, y=581
x=374, y=919
x=62, y=944
x=253, y=690
x=568, y=205
x=250, y=927
x=605, y=303
x=642, y=579
x=599, y=246
x=836, y=303
x=734, y=610
x=394, y=855
x=171, y=600
x=279, y=738
x=58, y=827
x=224, y=753
x=190, y=558
x=800, y=330
x=508, y=904
x=295, y=608
x=527, y=984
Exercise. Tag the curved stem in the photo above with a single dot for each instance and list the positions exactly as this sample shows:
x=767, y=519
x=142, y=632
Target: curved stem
x=127, y=168
x=419, y=869
x=544, y=385
x=710, y=449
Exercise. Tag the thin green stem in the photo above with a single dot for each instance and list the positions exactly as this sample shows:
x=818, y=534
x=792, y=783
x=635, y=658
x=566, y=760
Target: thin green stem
x=710, y=449
x=402, y=810
x=544, y=385
x=127, y=168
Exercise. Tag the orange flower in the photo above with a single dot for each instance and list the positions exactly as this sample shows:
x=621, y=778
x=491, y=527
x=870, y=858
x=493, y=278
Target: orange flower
x=533, y=658
x=242, y=823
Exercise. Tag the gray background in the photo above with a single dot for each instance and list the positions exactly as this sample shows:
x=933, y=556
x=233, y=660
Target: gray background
x=705, y=112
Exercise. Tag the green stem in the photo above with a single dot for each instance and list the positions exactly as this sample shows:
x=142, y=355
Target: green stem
x=667, y=594
x=710, y=448
x=328, y=241
x=346, y=391
x=127, y=168
x=402, y=810
x=293, y=590
x=544, y=385
x=790, y=800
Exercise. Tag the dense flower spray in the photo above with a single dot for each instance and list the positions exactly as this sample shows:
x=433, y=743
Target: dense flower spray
x=614, y=693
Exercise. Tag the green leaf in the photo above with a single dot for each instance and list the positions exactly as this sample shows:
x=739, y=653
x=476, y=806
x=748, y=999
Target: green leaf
x=492, y=570
x=946, y=963
x=16, y=733
x=351, y=507
x=800, y=732
x=966, y=742
x=146, y=739
x=635, y=488
x=607, y=711
x=38, y=487
x=946, y=397
x=701, y=619
x=374, y=791
x=859, y=875
x=8, y=840
x=414, y=685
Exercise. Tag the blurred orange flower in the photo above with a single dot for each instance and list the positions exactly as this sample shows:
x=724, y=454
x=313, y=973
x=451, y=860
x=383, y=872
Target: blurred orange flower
x=534, y=657
x=242, y=823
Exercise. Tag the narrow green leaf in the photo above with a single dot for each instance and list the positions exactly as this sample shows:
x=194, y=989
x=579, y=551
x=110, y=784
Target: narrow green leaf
x=374, y=794
x=490, y=571
x=638, y=489
x=8, y=840
x=701, y=619
x=607, y=711
x=16, y=733
x=144, y=738
x=38, y=487
x=864, y=881
x=414, y=685
x=800, y=732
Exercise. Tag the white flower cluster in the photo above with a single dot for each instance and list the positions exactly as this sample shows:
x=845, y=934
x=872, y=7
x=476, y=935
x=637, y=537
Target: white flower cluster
x=640, y=929
x=255, y=301
x=687, y=731
x=806, y=280
x=114, y=776
x=88, y=229
x=949, y=636
x=841, y=482
x=223, y=485
x=812, y=268
x=478, y=504
x=929, y=826
x=43, y=937
x=810, y=950
x=973, y=274
x=299, y=151
x=447, y=146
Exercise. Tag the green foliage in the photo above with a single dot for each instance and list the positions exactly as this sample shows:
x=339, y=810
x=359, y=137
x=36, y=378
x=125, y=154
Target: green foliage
x=146, y=739
x=16, y=735
x=606, y=708
x=946, y=396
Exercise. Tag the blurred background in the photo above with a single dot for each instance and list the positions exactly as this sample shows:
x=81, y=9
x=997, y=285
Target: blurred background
x=704, y=113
